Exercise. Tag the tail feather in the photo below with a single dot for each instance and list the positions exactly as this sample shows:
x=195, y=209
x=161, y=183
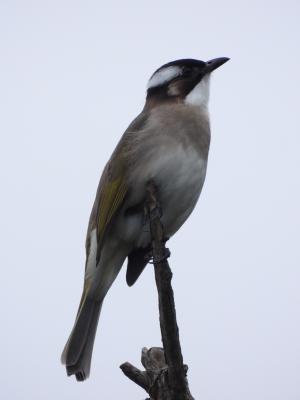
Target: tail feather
x=77, y=353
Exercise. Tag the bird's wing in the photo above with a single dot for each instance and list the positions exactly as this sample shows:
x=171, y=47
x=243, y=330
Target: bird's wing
x=113, y=194
x=112, y=191
x=113, y=185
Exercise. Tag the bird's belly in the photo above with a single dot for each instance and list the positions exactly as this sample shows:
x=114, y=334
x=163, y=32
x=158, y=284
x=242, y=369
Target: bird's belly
x=179, y=176
x=179, y=182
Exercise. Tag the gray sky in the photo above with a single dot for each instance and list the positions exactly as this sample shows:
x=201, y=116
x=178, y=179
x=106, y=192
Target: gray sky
x=72, y=77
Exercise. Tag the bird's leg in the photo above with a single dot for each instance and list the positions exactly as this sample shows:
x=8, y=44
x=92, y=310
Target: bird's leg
x=145, y=220
x=154, y=212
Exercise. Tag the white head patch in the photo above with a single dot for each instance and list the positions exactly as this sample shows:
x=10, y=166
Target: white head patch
x=199, y=96
x=163, y=76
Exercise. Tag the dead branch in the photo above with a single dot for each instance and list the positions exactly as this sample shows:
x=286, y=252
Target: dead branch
x=165, y=374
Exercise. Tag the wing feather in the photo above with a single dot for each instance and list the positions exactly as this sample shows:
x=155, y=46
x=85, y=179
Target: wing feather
x=113, y=194
x=113, y=185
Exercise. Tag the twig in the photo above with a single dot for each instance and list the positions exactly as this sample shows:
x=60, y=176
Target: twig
x=165, y=375
x=137, y=376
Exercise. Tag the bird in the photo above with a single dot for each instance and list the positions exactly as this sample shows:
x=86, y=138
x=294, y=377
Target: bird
x=168, y=144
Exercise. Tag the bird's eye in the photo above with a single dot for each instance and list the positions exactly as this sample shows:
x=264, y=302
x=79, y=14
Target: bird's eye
x=186, y=71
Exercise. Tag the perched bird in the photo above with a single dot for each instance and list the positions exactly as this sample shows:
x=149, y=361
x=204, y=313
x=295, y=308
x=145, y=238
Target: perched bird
x=167, y=143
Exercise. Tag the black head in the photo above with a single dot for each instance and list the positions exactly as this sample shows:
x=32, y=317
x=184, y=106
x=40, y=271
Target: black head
x=178, y=78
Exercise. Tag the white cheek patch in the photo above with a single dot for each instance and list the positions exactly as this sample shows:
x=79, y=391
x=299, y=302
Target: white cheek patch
x=199, y=96
x=163, y=76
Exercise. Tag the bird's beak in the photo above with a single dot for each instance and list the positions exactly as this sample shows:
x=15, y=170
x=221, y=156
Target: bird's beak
x=211, y=65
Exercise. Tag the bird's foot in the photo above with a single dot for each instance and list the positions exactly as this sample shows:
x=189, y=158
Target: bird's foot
x=155, y=260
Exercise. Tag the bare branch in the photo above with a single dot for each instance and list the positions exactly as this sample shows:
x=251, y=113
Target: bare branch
x=165, y=375
x=136, y=375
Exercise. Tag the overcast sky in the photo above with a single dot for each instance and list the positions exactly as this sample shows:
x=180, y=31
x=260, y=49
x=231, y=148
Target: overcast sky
x=72, y=77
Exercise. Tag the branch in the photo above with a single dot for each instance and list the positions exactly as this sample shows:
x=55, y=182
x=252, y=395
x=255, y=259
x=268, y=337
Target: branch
x=136, y=375
x=165, y=375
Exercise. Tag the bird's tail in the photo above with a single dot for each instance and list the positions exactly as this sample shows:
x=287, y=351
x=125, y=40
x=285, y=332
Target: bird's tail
x=77, y=354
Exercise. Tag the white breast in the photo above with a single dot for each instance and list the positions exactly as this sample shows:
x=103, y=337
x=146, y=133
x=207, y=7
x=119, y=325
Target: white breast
x=180, y=174
x=177, y=166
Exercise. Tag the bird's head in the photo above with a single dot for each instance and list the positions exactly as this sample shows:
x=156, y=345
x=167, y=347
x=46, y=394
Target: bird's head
x=184, y=80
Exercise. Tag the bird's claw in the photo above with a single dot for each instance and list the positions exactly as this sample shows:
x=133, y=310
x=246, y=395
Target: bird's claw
x=156, y=260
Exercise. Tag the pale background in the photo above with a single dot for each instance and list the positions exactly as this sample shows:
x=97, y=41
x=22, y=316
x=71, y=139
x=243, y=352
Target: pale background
x=72, y=77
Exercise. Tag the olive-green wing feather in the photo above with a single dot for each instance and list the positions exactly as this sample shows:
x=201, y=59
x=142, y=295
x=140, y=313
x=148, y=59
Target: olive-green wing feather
x=113, y=189
x=111, y=198
x=113, y=185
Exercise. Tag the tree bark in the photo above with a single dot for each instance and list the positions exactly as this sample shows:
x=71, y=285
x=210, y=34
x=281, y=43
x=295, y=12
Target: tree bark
x=165, y=374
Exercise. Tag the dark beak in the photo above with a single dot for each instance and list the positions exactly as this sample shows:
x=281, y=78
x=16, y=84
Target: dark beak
x=211, y=65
